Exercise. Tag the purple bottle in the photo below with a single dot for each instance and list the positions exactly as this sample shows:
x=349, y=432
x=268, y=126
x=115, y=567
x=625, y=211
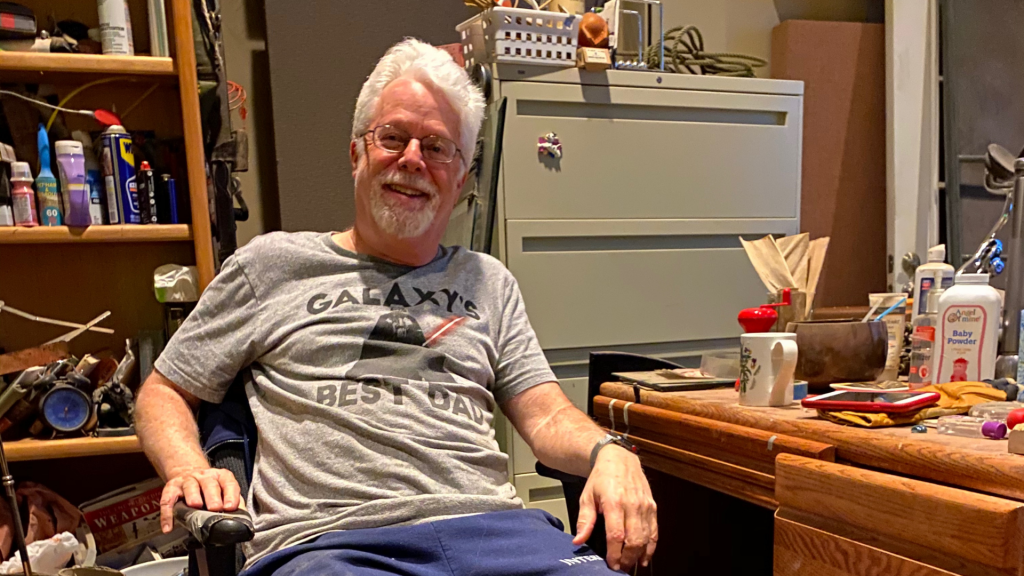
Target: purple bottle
x=74, y=190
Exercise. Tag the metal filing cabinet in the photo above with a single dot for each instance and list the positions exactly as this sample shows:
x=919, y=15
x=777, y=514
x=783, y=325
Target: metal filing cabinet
x=630, y=241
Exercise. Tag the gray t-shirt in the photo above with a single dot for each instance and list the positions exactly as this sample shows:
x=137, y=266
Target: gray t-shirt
x=374, y=384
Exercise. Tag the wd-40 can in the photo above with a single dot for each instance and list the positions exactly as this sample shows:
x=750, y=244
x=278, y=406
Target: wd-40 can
x=119, y=177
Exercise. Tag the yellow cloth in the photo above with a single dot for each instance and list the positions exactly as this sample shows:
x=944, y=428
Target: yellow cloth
x=965, y=394
x=954, y=398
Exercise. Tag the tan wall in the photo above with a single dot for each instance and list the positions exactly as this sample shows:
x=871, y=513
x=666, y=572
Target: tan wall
x=743, y=26
x=245, y=50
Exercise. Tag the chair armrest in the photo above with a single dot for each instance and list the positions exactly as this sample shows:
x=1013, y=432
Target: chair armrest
x=215, y=528
x=564, y=477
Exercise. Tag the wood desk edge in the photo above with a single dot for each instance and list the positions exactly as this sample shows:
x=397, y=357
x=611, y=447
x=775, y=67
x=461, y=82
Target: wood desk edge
x=993, y=473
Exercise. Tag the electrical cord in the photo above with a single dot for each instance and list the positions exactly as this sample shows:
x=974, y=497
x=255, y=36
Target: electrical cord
x=684, y=53
x=46, y=105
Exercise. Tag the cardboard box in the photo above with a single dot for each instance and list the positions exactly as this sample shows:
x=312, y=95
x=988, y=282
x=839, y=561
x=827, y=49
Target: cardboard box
x=128, y=518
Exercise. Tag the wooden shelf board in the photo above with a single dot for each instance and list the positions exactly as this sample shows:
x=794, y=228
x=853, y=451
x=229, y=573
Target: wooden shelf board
x=38, y=67
x=111, y=233
x=32, y=449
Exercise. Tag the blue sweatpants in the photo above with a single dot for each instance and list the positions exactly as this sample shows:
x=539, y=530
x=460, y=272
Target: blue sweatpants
x=511, y=543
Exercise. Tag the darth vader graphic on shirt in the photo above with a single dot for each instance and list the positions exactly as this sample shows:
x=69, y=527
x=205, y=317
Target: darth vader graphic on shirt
x=397, y=348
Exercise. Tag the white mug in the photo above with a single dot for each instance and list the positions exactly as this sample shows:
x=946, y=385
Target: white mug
x=767, y=363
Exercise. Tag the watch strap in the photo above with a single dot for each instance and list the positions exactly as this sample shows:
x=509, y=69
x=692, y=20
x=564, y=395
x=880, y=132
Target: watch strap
x=609, y=439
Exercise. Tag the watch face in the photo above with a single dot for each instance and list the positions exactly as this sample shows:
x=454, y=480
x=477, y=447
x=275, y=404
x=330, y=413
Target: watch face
x=66, y=409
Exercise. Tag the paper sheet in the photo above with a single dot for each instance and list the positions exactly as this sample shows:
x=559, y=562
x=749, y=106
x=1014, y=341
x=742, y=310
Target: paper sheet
x=769, y=263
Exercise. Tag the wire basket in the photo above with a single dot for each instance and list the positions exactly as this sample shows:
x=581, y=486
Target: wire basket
x=520, y=36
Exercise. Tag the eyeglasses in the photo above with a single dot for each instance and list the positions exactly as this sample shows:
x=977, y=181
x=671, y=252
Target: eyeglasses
x=435, y=148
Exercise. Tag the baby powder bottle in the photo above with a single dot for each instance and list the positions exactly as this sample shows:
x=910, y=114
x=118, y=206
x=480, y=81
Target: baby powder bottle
x=967, y=334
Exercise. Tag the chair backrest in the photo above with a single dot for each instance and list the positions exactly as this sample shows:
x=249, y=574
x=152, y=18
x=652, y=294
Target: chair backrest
x=227, y=431
x=604, y=364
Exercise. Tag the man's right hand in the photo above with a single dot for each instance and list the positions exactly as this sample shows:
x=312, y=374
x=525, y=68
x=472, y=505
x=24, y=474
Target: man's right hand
x=214, y=489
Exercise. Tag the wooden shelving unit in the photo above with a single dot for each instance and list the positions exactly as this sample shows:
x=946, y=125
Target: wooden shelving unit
x=43, y=67
x=114, y=233
x=76, y=273
x=31, y=449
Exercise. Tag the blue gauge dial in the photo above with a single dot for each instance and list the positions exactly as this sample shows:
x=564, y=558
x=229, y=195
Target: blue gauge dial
x=66, y=409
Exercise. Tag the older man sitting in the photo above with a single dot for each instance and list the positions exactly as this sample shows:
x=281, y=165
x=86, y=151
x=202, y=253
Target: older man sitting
x=378, y=359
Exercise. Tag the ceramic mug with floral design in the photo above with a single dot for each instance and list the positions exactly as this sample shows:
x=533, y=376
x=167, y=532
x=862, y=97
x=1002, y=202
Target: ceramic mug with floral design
x=767, y=363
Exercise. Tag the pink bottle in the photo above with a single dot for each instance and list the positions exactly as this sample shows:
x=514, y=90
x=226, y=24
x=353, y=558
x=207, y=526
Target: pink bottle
x=23, y=196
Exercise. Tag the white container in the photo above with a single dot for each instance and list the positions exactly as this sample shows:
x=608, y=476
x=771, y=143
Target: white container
x=968, y=332
x=520, y=36
x=115, y=27
x=936, y=273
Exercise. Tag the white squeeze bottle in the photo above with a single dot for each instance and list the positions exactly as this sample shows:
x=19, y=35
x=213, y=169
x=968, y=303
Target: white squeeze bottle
x=966, y=339
x=935, y=274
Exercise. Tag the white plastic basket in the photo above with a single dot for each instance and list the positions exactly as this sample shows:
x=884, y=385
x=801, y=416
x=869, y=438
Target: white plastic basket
x=520, y=36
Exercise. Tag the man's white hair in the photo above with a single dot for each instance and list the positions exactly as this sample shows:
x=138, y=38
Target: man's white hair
x=423, y=62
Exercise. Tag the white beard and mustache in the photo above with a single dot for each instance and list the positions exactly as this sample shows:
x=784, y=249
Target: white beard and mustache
x=395, y=219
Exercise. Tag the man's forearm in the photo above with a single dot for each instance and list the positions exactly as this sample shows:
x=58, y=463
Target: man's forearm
x=560, y=435
x=565, y=440
x=167, y=428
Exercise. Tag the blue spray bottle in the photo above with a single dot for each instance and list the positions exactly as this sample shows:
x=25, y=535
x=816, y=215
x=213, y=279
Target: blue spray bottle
x=46, y=185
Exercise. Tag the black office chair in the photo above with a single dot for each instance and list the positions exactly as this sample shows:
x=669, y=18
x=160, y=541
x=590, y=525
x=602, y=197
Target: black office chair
x=228, y=435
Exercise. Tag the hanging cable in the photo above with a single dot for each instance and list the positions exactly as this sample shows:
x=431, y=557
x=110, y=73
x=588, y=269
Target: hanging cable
x=46, y=104
x=684, y=53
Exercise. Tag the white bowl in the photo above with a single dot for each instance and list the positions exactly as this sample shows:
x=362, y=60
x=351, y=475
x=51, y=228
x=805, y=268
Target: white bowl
x=166, y=567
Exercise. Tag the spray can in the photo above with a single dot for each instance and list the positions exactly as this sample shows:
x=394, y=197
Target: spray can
x=24, y=199
x=147, y=194
x=93, y=178
x=74, y=192
x=119, y=176
x=46, y=184
x=116, y=27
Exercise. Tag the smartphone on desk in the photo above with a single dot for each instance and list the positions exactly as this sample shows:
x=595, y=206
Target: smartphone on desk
x=889, y=402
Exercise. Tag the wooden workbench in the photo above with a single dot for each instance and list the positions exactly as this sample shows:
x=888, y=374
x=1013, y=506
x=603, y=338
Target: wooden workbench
x=846, y=500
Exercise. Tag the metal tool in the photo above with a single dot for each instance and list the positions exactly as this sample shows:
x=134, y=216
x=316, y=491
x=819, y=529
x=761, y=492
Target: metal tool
x=114, y=402
x=1005, y=177
x=1006, y=362
x=12, y=501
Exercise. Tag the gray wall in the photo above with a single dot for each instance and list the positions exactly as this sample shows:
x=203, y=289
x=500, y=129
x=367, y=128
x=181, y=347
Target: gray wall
x=321, y=52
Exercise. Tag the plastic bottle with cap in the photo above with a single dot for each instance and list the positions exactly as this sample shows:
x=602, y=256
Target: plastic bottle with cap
x=93, y=178
x=922, y=341
x=22, y=196
x=934, y=274
x=971, y=427
x=74, y=191
x=47, y=196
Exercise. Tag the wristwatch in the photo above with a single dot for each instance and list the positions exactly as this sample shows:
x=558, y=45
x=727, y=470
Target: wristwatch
x=610, y=439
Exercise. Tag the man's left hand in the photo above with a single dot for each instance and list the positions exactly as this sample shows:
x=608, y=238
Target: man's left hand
x=618, y=489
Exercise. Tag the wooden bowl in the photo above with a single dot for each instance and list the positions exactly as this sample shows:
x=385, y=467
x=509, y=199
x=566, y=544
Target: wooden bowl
x=831, y=351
